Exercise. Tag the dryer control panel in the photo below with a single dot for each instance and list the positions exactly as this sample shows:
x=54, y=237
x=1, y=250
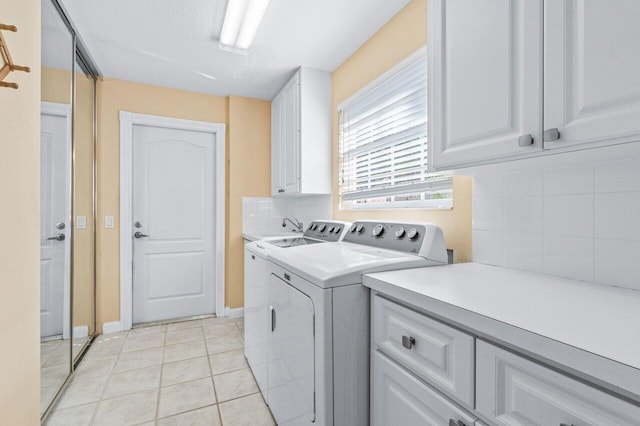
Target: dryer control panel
x=327, y=230
x=407, y=237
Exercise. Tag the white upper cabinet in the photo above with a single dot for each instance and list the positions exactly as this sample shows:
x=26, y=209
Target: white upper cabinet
x=592, y=71
x=301, y=135
x=485, y=80
x=487, y=60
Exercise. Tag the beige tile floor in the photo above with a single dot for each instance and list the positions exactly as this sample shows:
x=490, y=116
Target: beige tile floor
x=185, y=373
x=54, y=366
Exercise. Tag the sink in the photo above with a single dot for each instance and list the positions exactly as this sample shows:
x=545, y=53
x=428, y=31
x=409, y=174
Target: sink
x=292, y=242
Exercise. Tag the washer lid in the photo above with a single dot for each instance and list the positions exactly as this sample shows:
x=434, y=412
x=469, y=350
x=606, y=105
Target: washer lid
x=337, y=264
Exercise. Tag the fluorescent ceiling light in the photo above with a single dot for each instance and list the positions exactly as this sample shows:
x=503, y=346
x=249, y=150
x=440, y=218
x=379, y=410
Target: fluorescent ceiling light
x=241, y=22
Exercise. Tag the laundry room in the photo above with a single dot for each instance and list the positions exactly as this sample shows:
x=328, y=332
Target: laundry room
x=285, y=212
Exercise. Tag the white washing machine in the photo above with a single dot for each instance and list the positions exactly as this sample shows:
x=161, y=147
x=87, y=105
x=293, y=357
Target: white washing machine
x=318, y=343
x=256, y=279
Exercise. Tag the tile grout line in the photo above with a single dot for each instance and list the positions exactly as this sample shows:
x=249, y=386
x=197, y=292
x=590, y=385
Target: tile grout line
x=164, y=347
x=213, y=382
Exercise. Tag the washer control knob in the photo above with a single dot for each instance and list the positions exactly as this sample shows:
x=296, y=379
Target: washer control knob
x=331, y=228
x=400, y=232
x=360, y=228
x=336, y=229
x=412, y=233
x=322, y=227
x=353, y=228
x=378, y=230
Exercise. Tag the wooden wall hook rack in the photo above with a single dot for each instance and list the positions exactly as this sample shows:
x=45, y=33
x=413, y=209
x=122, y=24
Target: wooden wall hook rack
x=6, y=57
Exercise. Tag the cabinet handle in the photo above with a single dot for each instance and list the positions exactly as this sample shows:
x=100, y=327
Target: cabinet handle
x=551, y=135
x=525, y=140
x=454, y=422
x=566, y=424
x=408, y=342
x=273, y=318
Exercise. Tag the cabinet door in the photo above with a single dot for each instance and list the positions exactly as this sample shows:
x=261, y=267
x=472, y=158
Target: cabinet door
x=290, y=168
x=439, y=354
x=512, y=390
x=277, y=127
x=398, y=398
x=290, y=370
x=592, y=71
x=485, y=80
x=256, y=317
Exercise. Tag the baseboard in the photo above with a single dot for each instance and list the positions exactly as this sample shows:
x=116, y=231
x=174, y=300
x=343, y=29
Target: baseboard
x=112, y=327
x=80, y=331
x=234, y=313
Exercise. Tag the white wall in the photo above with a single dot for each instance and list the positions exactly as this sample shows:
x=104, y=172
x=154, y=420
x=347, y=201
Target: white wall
x=574, y=215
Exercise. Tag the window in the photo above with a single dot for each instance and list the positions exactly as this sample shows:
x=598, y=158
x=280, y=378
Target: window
x=383, y=145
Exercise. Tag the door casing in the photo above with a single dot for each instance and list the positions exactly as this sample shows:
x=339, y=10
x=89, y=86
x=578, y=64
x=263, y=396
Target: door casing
x=127, y=121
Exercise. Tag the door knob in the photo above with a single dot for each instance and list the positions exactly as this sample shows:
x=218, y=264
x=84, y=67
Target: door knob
x=139, y=234
x=58, y=237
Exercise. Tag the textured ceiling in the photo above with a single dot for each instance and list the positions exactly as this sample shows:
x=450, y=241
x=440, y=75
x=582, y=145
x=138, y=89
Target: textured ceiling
x=174, y=42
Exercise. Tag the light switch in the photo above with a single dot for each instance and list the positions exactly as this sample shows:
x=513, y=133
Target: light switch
x=81, y=222
x=109, y=222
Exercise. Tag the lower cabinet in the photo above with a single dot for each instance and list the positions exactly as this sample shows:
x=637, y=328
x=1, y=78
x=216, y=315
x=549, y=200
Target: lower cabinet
x=420, y=372
x=256, y=316
x=512, y=390
x=399, y=398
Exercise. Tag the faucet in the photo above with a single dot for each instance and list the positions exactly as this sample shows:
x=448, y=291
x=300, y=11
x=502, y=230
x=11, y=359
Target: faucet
x=297, y=224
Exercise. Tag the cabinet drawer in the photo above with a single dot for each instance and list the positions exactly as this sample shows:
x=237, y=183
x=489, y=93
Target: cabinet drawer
x=433, y=351
x=513, y=390
x=399, y=398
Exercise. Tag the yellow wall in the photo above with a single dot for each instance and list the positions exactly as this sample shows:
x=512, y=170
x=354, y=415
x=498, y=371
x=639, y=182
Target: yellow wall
x=397, y=39
x=249, y=175
x=20, y=212
x=248, y=139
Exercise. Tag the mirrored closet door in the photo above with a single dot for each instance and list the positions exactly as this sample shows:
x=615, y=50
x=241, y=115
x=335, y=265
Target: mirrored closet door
x=67, y=179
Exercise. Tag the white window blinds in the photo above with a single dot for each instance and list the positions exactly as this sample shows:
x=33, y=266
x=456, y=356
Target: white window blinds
x=383, y=146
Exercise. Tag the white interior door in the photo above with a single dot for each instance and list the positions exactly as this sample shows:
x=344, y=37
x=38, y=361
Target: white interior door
x=55, y=213
x=173, y=212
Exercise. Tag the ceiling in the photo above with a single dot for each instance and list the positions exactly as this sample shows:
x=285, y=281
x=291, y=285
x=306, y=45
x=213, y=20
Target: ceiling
x=174, y=43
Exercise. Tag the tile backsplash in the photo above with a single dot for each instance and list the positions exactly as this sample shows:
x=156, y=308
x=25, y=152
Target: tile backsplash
x=574, y=215
x=264, y=215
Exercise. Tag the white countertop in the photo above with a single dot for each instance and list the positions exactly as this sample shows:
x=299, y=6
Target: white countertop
x=514, y=305
x=255, y=236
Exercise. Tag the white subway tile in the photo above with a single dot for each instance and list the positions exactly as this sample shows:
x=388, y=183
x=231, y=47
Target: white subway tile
x=523, y=251
x=617, y=215
x=488, y=214
x=488, y=247
x=618, y=263
x=568, y=215
x=569, y=257
x=618, y=176
x=488, y=186
x=569, y=180
x=521, y=184
x=523, y=214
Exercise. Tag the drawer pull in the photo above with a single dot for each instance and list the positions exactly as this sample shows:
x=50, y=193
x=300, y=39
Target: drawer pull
x=453, y=422
x=566, y=424
x=408, y=342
